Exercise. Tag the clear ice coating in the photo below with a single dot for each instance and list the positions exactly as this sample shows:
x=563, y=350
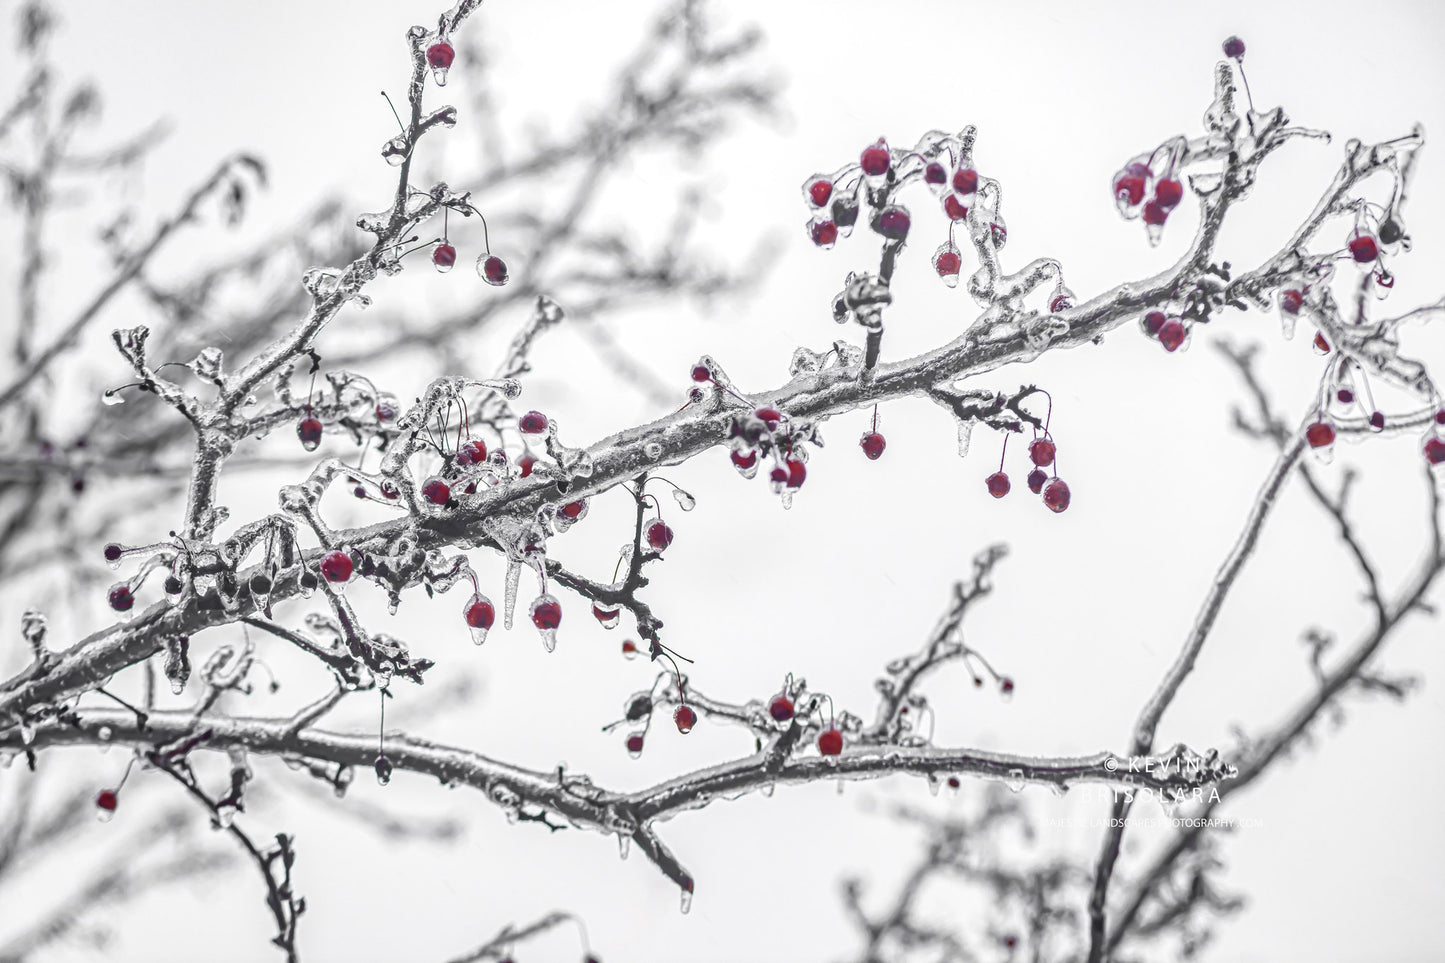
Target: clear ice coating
x=112, y=397
x=684, y=500
x=1015, y=781
x=686, y=903
x=965, y=437
x=624, y=845
x=509, y=596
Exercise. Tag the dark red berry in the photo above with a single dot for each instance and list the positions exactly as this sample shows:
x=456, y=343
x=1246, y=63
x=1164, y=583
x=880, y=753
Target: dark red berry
x=532, y=423
x=872, y=444
x=744, y=459
x=107, y=799
x=526, y=463
x=819, y=191
x=309, y=431
x=935, y=173
x=830, y=743
x=1155, y=213
x=473, y=452
x=685, y=719
x=947, y=263
x=436, y=491
x=953, y=782
x=439, y=55
x=1434, y=451
x=548, y=615
x=112, y=552
x=494, y=270
x=876, y=160
x=781, y=708
x=634, y=743
x=480, y=614
x=659, y=535
x=1291, y=301
x=121, y=598
x=1168, y=193
x=1363, y=248
x=1345, y=396
x=1377, y=420
x=1056, y=495
x=965, y=181
x=574, y=510
x=1060, y=302
x=770, y=417
x=779, y=477
x=1036, y=480
x=1234, y=47
x=893, y=223
x=1321, y=434
x=1440, y=417
x=1006, y=685
x=954, y=208
x=444, y=256
x=845, y=212
x=1041, y=452
x=797, y=472
x=823, y=233
x=1172, y=335
x=998, y=484
x=700, y=373
x=336, y=566
x=1153, y=322
x=629, y=648
x=1129, y=187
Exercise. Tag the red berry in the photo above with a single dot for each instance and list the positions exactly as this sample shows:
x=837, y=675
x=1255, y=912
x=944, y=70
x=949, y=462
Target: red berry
x=947, y=263
x=934, y=173
x=493, y=270
x=1153, y=321
x=112, y=552
x=1155, y=213
x=1056, y=495
x=107, y=799
x=444, y=256
x=823, y=233
x=121, y=598
x=1172, y=335
x=700, y=373
x=1345, y=396
x=685, y=719
x=954, y=208
x=1129, y=187
x=480, y=614
x=965, y=181
x=781, y=708
x=1363, y=248
x=473, y=452
x=1321, y=434
x=876, y=160
x=436, y=491
x=1434, y=451
x=440, y=55
x=1291, y=301
x=1168, y=193
x=797, y=471
x=872, y=444
x=779, y=478
x=744, y=459
x=1234, y=47
x=1041, y=452
x=998, y=484
x=1006, y=685
x=336, y=566
x=659, y=535
x=547, y=615
x=574, y=510
x=634, y=743
x=526, y=463
x=309, y=431
x=893, y=223
x=1060, y=302
x=532, y=423
x=1440, y=417
x=830, y=743
x=820, y=189
x=1321, y=345
x=629, y=648
x=1377, y=420
x=770, y=417
x=1036, y=480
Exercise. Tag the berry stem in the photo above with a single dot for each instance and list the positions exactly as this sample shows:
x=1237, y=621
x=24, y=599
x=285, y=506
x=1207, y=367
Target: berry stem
x=387, y=97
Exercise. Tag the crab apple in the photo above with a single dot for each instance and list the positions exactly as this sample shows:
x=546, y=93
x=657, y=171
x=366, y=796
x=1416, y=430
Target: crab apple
x=1129, y=185
x=947, y=262
x=106, y=800
x=532, y=423
x=1172, y=335
x=1168, y=192
x=546, y=613
x=797, y=472
x=872, y=444
x=473, y=452
x=1363, y=248
x=439, y=56
x=634, y=744
x=998, y=484
x=1042, y=451
x=444, y=257
x=1234, y=48
x=1434, y=451
x=1345, y=396
x=120, y=597
x=1152, y=322
x=493, y=270
x=436, y=491
x=830, y=742
x=965, y=180
x=480, y=614
x=1321, y=434
x=309, y=431
x=1377, y=420
x=824, y=233
x=893, y=223
x=781, y=708
x=935, y=174
x=744, y=460
x=700, y=373
x=1155, y=214
x=770, y=417
x=818, y=190
x=659, y=535
x=685, y=719
x=1036, y=480
x=876, y=160
x=1291, y=300
x=629, y=648
x=954, y=208
x=336, y=566
x=1056, y=495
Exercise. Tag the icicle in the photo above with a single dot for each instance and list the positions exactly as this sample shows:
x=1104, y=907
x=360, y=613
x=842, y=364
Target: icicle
x=965, y=437
x=509, y=597
x=624, y=845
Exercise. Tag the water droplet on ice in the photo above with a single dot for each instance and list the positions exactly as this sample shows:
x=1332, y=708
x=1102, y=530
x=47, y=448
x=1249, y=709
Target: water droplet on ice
x=225, y=815
x=178, y=686
x=965, y=437
x=686, y=904
x=439, y=74
x=652, y=449
x=685, y=501
x=624, y=845
x=112, y=397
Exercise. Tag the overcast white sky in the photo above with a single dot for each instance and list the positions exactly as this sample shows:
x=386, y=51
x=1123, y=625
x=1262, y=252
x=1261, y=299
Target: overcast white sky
x=1089, y=609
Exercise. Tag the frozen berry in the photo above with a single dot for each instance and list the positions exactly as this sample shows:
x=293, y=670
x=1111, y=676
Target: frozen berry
x=935, y=174
x=954, y=208
x=107, y=799
x=121, y=598
x=965, y=181
x=574, y=510
x=1363, y=248
x=781, y=708
x=1056, y=495
x=1377, y=420
x=1345, y=396
x=112, y=552
x=1321, y=434
x=1041, y=452
x=1129, y=185
x=1320, y=344
x=770, y=417
x=309, y=431
x=947, y=263
x=634, y=743
x=436, y=491
x=1435, y=451
x=525, y=464
x=336, y=566
x=701, y=373
x=1234, y=48
x=744, y=459
x=1172, y=335
x=1168, y=193
x=444, y=257
x=1036, y=480
x=876, y=160
x=659, y=535
x=893, y=223
x=472, y=453
x=439, y=55
x=493, y=270
x=532, y=423
x=1290, y=301
x=629, y=648
x=685, y=719
x=1440, y=417
x=797, y=472
x=998, y=484
x=819, y=191
x=823, y=233
x=1155, y=214
x=1006, y=685
x=547, y=615
x=480, y=614
x=1152, y=322
x=872, y=444
x=830, y=743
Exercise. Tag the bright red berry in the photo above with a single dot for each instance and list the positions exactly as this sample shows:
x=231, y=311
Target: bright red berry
x=493, y=270
x=830, y=743
x=480, y=614
x=823, y=233
x=121, y=598
x=872, y=444
x=1152, y=322
x=1041, y=452
x=1172, y=335
x=876, y=160
x=1129, y=185
x=1056, y=495
x=998, y=484
x=781, y=708
x=770, y=417
x=436, y=491
x=1321, y=434
x=1234, y=48
x=685, y=719
x=797, y=472
x=574, y=510
x=700, y=373
x=1168, y=193
x=965, y=181
x=471, y=453
x=444, y=256
x=1036, y=480
x=893, y=223
x=954, y=208
x=659, y=535
x=336, y=566
x=744, y=459
x=532, y=423
x=526, y=463
x=1291, y=301
x=309, y=431
x=1155, y=213
x=1321, y=345
x=107, y=799
x=634, y=744
x=547, y=615
x=1434, y=451
x=1363, y=248
x=629, y=648
x=819, y=190
x=439, y=55
x=935, y=174
x=948, y=263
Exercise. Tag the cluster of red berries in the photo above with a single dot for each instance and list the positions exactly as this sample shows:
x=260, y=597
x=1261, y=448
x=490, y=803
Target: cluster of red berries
x=1043, y=454
x=1149, y=187
x=782, y=709
x=762, y=431
x=1172, y=333
x=1320, y=434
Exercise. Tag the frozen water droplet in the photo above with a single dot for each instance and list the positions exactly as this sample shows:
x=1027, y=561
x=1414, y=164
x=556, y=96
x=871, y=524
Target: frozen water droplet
x=549, y=639
x=105, y=734
x=684, y=500
x=439, y=74
x=624, y=845
x=225, y=816
x=27, y=733
x=787, y=499
x=112, y=397
x=965, y=437
x=395, y=151
x=384, y=671
x=383, y=770
x=686, y=903
x=1287, y=324
x=1323, y=454
x=178, y=686
x=652, y=449
x=1155, y=232
x=392, y=604
x=7, y=756
x=1015, y=781
x=934, y=784
x=104, y=815
x=1059, y=788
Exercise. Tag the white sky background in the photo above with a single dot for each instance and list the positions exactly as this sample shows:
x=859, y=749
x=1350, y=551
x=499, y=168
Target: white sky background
x=1089, y=609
